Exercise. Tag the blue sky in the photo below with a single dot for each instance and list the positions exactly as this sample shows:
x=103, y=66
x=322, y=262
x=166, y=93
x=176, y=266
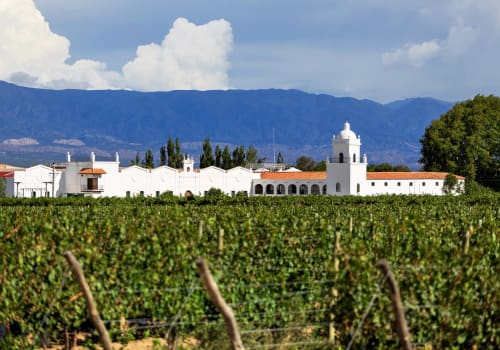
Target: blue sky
x=377, y=49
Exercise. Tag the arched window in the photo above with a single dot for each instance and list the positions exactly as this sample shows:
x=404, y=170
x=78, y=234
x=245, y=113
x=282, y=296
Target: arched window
x=341, y=157
x=188, y=169
x=324, y=189
x=337, y=187
x=315, y=189
x=292, y=189
x=259, y=189
x=354, y=158
x=358, y=188
x=269, y=189
x=280, y=189
x=303, y=189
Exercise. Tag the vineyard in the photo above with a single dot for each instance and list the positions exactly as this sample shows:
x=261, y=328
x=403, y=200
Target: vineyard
x=274, y=259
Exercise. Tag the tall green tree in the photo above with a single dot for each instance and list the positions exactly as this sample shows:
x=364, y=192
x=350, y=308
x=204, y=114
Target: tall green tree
x=171, y=153
x=305, y=163
x=177, y=154
x=218, y=156
x=466, y=141
x=280, y=159
x=251, y=155
x=207, y=157
x=163, y=155
x=226, y=159
x=238, y=156
x=148, y=161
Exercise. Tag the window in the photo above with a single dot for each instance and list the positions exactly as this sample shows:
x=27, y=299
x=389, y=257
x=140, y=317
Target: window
x=399, y=184
x=92, y=183
x=303, y=189
x=259, y=189
x=292, y=189
x=437, y=183
x=324, y=189
x=354, y=158
x=157, y=193
x=233, y=193
x=280, y=189
x=411, y=183
x=337, y=187
x=358, y=188
x=423, y=183
x=127, y=194
x=33, y=194
x=141, y=193
x=269, y=189
x=341, y=157
x=385, y=184
x=315, y=189
x=373, y=183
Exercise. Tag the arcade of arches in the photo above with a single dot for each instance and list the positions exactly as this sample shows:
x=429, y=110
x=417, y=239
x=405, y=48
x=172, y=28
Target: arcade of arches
x=292, y=189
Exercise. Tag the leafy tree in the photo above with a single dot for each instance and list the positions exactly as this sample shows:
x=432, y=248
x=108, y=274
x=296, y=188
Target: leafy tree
x=280, y=159
x=466, y=141
x=207, y=157
x=148, y=161
x=137, y=160
x=177, y=154
x=218, y=156
x=387, y=167
x=305, y=163
x=171, y=153
x=238, y=156
x=450, y=184
x=163, y=155
x=226, y=158
x=251, y=155
x=320, y=166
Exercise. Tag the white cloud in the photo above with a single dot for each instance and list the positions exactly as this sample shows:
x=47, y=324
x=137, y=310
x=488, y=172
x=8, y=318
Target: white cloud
x=414, y=55
x=190, y=56
x=460, y=39
x=24, y=141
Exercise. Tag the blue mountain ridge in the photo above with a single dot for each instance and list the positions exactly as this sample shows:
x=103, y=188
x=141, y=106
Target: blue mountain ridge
x=131, y=121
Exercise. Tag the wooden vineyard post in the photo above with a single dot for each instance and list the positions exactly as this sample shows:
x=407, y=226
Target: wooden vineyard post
x=91, y=307
x=220, y=241
x=334, y=291
x=218, y=300
x=402, y=327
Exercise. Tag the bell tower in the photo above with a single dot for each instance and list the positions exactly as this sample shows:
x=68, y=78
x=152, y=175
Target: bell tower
x=346, y=170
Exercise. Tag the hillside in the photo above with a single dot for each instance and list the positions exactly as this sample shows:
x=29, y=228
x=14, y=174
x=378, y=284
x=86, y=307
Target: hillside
x=41, y=125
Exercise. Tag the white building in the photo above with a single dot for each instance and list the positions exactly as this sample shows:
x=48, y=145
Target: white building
x=346, y=175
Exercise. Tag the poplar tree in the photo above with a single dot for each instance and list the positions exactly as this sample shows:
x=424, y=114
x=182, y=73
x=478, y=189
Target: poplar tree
x=163, y=155
x=207, y=157
x=218, y=156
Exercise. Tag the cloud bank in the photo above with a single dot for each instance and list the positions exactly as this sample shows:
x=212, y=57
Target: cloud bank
x=190, y=56
x=460, y=39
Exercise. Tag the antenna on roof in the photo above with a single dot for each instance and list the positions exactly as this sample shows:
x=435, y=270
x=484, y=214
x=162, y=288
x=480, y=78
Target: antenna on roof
x=274, y=149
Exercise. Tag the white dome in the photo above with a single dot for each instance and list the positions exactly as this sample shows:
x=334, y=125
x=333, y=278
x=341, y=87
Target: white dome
x=347, y=133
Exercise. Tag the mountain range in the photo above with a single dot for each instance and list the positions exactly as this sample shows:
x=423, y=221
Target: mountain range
x=40, y=126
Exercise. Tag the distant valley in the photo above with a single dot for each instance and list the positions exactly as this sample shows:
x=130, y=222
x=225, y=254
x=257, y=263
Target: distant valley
x=40, y=126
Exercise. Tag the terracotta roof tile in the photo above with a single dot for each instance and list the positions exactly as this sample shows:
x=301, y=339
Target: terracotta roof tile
x=6, y=174
x=92, y=171
x=303, y=175
x=411, y=175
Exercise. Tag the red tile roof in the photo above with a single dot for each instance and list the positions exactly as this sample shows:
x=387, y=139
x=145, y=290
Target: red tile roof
x=92, y=171
x=303, y=175
x=6, y=174
x=410, y=175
